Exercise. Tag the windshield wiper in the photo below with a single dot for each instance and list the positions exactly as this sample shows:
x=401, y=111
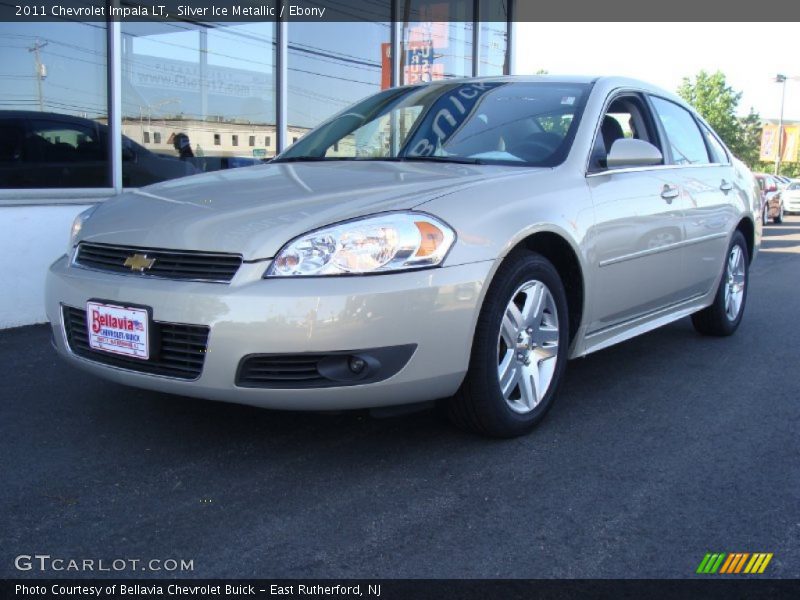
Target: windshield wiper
x=464, y=160
x=448, y=159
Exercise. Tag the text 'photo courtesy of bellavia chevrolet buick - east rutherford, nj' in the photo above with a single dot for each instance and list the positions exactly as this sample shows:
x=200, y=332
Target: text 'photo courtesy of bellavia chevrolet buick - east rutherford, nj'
x=458, y=242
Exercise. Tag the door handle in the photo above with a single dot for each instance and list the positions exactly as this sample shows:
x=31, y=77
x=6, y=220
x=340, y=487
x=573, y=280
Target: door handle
x=670, y=192
x=726, y=186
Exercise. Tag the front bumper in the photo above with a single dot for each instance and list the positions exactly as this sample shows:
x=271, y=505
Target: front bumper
x=434, y=309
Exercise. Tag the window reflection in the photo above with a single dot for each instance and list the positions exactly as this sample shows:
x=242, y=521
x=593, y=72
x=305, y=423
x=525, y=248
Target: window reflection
x=332, y=67
x=53, y=105
x=494, y=38
x=192, y=94
x=436, y=40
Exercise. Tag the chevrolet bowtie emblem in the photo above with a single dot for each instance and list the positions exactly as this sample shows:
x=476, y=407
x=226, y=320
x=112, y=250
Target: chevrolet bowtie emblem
x=139, y=262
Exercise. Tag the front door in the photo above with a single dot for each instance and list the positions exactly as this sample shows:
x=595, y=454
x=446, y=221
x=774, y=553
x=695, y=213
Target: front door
x=637, y=244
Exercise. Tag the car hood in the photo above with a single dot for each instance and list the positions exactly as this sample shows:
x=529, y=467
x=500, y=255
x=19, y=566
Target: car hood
x=254, y=211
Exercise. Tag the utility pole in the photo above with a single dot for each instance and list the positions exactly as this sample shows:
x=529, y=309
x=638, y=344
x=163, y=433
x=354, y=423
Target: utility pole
x=779, y=78
x=41, y=72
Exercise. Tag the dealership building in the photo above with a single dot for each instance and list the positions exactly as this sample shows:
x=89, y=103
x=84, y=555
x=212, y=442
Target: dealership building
x=89, y=109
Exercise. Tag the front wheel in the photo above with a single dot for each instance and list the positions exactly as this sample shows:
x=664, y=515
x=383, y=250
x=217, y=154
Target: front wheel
x=724, y=315
x=765, y=215
x=519, y=351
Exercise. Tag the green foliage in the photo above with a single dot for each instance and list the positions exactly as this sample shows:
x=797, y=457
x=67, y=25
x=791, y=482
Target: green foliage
x=717, y=102
x=787, y=169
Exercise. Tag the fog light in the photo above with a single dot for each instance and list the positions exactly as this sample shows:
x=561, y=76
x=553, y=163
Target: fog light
x=356, y=364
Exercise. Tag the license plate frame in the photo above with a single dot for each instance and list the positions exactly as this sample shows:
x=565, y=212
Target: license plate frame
x=133, y=321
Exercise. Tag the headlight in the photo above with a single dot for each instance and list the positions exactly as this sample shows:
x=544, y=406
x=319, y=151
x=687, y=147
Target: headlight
x=377, y=244
x=77, y=225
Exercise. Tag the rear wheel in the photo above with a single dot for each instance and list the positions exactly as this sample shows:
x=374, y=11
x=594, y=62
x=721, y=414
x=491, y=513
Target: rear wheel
x=519, y=351
x=779, y=218
x=724, y=315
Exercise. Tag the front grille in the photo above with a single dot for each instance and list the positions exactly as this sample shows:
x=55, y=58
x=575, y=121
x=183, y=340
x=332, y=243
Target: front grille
x=180, y=350
x=168, y=264
x=299, y=370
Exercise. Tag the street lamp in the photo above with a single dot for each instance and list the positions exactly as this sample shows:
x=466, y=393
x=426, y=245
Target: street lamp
x=779, y=78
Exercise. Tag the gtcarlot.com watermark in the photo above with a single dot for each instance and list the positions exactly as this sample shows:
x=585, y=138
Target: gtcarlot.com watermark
x=45, y=563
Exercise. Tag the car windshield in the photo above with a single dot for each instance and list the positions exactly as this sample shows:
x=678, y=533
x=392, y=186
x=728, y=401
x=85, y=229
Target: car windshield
x=480, y=122
x=794, y=186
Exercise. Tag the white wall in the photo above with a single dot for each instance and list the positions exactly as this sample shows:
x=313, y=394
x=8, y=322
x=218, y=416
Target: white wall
x=31, y=238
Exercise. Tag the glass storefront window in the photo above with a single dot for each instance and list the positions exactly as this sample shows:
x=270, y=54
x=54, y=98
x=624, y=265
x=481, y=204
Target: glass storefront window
x=198, y=97
x=494, y=38
x=436, y=40
x=53, y=106
x=331, y=67
x=190, y=93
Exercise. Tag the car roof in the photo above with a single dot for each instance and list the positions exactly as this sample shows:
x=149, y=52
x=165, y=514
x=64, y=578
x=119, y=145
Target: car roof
x=608, y=83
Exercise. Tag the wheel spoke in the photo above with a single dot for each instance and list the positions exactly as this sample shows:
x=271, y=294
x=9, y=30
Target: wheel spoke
x=546, y=335
x=509, y=331
x=529, y=386
x=547, y=368
x=534, y=305
x=736, y=303
x=543, y=353
x=508, y=373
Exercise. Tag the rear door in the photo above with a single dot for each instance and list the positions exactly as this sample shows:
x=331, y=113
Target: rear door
x=708, y=185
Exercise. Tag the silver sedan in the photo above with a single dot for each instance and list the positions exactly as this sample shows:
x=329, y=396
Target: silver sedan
x=458, y=241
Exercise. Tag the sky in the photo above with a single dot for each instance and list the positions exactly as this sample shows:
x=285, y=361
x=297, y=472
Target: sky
x=749, y=54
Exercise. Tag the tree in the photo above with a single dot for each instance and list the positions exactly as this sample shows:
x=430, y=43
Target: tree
x=750, y=139
x=717, y=102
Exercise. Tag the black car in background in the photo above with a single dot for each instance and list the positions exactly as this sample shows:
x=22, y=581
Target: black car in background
x=43, y=149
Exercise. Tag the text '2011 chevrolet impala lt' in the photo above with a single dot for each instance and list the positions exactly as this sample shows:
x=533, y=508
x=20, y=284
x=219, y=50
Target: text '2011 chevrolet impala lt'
x=459, y=241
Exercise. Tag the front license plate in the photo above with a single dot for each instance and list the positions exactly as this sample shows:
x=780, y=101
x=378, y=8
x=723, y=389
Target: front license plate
x=118, y=329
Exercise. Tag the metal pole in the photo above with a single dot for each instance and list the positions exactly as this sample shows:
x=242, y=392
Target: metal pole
x=782, y=80
x=203, y=74
x=282, y=83
x=476, y=38
x=394, y=46
x=115, y=116
x=37, y=46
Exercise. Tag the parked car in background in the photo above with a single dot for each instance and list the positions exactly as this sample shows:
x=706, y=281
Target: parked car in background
x=791, y=197
x=460, y=240
x=44, y=149
x=783, y=181
x=772, y=200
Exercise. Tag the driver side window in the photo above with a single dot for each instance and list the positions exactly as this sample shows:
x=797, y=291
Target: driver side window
x=626, y=117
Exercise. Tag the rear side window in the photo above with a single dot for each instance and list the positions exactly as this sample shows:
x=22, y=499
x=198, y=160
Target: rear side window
x=685, y=139
x=715, y=148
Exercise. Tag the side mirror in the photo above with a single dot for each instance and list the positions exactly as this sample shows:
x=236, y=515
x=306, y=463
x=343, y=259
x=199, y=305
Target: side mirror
x=627, y=152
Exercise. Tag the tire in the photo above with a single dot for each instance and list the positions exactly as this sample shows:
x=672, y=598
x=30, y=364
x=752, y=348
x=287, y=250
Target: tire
x=722, y=318
x=539, y=332
x=779, y=219
x=765, y=215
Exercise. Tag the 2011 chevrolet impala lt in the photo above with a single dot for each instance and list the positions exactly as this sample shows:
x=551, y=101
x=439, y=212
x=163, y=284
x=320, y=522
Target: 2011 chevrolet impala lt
x=459, y=240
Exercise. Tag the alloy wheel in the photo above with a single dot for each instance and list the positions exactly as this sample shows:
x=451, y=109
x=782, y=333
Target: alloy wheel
x=735, y=283
x=527, y=346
